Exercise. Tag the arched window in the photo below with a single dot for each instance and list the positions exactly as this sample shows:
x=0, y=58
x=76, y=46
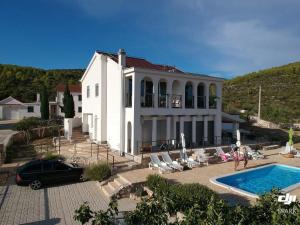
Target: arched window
x=189, y=97
x=201, y=96
x=147, y=93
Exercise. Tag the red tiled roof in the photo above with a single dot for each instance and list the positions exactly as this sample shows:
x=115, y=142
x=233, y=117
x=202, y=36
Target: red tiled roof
x=72, y=87
x=142, y=63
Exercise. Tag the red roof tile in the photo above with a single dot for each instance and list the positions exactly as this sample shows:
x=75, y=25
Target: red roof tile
x=72, y=87
x=142, y=63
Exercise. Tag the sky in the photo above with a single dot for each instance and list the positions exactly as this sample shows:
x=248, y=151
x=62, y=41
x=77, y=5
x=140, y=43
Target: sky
x=214, y=37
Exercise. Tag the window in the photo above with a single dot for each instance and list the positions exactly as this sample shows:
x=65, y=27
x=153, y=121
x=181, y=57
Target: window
x=88, y=91
x=97, y=90
x=79, y=98
x=33, y=168
x=48, y=166
x=61, y=166
x=30, y=109
x=79, y=109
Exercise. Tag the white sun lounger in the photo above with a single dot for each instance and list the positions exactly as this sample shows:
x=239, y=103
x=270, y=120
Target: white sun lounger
x=201, y=157
x=224, y=156
x=173, y=164
x=156, y=163
x=188, y=160
x=254, y=154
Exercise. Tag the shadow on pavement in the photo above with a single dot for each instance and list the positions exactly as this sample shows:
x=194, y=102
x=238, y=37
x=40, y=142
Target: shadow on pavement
x=52, y=221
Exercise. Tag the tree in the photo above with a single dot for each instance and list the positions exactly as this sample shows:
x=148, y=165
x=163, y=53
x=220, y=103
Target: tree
x=68, y=103
x=44, y=104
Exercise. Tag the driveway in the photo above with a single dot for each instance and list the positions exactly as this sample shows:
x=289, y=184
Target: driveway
x=51, y=205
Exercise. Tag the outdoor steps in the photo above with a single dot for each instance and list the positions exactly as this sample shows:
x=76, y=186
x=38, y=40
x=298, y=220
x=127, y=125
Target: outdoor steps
x=115, y=186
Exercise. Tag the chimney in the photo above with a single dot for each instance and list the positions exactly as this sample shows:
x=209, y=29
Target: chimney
x=122, y=57
x=38, y=97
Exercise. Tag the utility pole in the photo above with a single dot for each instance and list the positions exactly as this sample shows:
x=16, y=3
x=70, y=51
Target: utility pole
x=259, y=101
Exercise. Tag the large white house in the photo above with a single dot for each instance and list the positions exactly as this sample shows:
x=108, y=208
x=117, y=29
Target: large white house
x=131, y=103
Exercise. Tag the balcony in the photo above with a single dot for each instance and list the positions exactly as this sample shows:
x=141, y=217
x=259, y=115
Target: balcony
x=176, y=101
x=201, y=102
x=189, y=102
x=213, y=102
x=147, y=100
x=163, y=101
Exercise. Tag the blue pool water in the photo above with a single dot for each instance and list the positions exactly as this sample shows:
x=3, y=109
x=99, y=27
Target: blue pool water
x=261, y=180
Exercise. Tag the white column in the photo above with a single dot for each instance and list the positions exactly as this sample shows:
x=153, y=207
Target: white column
x=218, y=129
x=182, y=83
x=174, y=126
x=169, y=93
x=195, y=85
x=168, y=132
x=205, y=136
x=207, y=95
x=181, y=123
x=194, y=129
x=1, y=113
x=155, y=92
x=154, y=131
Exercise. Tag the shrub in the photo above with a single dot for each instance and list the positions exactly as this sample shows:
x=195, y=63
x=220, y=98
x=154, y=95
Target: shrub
x=157, y=183
x=52, y=156
x=98, y=172
x=9, y=154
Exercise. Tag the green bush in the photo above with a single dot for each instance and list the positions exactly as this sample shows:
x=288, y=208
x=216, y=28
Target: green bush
x=52, y=156
x=28, y=123
x=98, y=172
x=157, y=183
x=9, y=154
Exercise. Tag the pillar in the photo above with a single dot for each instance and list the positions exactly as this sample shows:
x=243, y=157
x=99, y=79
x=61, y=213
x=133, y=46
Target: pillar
x=218, y=129
x=174, y=126
x=207, y=95
x=205, y=124
x=168, y=131
x=155, y=93
x=194, y=129
x=181, y=124
x=154, y=131
x=195, y=85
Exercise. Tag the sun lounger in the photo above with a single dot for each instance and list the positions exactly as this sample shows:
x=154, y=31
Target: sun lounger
x=224, y=156
x=201, y=157
x=156, y=163
x=254, y=154
x=188, y=160
x=173, y=164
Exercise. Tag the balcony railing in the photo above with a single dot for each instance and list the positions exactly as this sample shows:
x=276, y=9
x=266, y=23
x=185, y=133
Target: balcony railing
x=212, y=102
x=176, y=101
x=163, y=101
x=201, y=102
x=147, y=100
x=128, y=100
x=189, y=102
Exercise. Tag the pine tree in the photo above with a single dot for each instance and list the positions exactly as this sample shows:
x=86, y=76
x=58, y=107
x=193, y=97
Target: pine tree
x=68, y=103
x=44, y=104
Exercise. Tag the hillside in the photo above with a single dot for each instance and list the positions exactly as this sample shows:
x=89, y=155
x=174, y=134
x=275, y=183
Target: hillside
x=280, y=93
x=24, y=82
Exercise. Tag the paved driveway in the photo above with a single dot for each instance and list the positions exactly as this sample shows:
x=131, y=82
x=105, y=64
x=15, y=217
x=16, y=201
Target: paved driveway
x=52, y=205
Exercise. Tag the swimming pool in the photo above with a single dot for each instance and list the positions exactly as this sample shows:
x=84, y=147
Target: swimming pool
x=256, y=181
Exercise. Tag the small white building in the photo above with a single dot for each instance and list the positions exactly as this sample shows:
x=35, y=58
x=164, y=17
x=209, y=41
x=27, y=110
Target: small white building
x=13, y=109
x=56, y=107
x=131, y=103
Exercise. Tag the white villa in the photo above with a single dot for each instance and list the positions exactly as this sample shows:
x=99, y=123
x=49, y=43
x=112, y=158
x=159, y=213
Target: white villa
x=132, y=104
x=75, y=91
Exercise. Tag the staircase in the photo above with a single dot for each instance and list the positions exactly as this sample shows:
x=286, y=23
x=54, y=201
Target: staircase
x=113, y=187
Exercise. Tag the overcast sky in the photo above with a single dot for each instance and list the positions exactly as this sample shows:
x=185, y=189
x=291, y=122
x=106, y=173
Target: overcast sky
x=216, y=37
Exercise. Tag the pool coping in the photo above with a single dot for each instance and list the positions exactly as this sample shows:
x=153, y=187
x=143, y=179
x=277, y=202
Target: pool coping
x=249, y=194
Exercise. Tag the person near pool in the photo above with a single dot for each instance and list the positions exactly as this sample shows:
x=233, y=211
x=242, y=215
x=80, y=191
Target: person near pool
x=245, y=154
x=236, y=157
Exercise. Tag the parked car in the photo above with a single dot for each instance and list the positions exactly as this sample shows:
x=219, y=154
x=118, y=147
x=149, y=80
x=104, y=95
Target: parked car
x=40, y=172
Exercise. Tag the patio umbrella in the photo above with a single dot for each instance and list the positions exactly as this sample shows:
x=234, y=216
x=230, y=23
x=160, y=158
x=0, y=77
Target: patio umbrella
x=183, y=144
x=291, y=135
x=238, y=138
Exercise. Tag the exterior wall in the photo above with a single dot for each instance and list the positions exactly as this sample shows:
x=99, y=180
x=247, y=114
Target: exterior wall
x=18, y=112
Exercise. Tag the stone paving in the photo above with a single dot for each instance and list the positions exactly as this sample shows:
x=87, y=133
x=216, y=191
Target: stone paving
x=51, y=205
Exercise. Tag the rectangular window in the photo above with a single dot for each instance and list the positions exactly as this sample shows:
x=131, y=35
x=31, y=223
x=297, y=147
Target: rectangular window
x=79, y=98
x=97, y=90
x=79, y=109
x=88, y=91
x=30, y=109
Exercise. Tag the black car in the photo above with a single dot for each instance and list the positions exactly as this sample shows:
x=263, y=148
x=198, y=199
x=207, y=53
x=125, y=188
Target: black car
x=37, y=173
